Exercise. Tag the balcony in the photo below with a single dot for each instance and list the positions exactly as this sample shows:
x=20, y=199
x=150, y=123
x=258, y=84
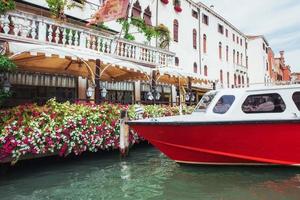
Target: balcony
x=26, y=27
x=240, y=68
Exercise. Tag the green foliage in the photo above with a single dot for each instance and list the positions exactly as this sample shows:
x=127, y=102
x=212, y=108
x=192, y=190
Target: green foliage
x=57, y=7
x=125, y=27
x=6, y=5
x=6, y=64
x=163, y=35
x=161, y=31
x=3, y=95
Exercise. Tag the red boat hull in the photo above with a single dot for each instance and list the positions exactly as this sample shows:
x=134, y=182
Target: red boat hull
x=227, y=143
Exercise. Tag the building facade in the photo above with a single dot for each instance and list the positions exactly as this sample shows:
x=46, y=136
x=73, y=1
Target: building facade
x=259, y=69
x=204, y=47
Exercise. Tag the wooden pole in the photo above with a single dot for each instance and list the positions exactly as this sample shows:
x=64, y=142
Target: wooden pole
x=97, y=80
x=124, y=134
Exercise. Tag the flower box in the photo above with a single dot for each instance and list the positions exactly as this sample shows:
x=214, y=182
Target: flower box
x=177, y=8
x=165, y=1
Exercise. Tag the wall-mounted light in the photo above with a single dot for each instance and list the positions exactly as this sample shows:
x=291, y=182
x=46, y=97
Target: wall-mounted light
x=103, y=92
x=90, y=92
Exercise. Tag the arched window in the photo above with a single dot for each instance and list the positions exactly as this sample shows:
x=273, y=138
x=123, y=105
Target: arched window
x=241, y=59
x=195, y=67
x=147, y=16
x=136, y=10
x=194, y=38
x=227, y=50
x=228, y=79
x=176, y=61
x=221, y=76
x=205, y=70
x=204, y=43
x=175, y=30
x=243, y=81
x=239, y=80
x=233, y=56
x=234, y=80
x=220, y=50
x=238, y=57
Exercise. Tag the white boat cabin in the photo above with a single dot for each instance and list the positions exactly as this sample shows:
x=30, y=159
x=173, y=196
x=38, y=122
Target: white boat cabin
x=244, y=104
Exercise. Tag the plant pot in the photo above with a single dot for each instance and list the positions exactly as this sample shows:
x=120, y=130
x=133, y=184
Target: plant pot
x=165, y=1
x=177, y=8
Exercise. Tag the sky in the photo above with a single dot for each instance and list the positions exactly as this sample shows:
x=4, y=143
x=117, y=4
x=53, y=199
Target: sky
x=277, y=20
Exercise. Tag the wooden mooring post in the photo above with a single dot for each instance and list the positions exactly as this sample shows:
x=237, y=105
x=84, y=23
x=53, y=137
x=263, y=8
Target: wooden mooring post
x=124, y=134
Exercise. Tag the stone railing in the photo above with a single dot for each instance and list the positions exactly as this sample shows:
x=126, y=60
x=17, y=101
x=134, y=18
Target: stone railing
x=27, y=27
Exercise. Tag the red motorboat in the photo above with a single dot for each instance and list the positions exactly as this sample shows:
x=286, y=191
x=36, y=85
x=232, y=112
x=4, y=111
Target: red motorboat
x=247, y=126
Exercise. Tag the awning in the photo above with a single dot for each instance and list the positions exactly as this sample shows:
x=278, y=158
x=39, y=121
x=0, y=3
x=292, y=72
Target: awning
x=177, y=76
x=74, y=61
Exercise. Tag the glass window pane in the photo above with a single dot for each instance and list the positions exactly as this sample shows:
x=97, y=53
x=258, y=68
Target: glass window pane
x=296, y=99
x=223, y=104
x=264, y=103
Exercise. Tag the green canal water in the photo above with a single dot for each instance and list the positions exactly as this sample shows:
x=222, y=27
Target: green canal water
x=145, y=174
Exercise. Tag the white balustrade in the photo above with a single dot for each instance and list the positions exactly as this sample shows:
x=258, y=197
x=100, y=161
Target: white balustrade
x=20, y=25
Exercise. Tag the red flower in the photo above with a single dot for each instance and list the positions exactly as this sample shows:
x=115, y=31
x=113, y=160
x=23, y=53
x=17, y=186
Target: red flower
x=165, y=1
x=63, y=150
x=177, y=8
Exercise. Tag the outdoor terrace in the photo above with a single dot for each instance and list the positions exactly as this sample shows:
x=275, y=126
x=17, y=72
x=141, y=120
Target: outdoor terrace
x=30, y=28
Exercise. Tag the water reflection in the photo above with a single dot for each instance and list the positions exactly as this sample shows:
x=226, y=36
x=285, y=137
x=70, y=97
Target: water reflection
x=147, y=174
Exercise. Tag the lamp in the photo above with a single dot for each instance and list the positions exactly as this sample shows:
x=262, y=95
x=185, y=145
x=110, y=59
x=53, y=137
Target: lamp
x=5, y=84
x=150, y=96
x=103, y=93
x=157, y=97
x=90, y=92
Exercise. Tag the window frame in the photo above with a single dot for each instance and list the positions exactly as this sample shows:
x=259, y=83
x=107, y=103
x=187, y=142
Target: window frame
x=298, y=107
x=230, y=104
x=205, y=19
x=175, y=30
x=264, y=112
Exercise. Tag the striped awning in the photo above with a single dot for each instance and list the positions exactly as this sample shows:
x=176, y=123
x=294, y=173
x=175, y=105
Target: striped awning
x=74, y=61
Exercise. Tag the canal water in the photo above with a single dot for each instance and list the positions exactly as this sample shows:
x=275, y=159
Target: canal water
x=145, y=174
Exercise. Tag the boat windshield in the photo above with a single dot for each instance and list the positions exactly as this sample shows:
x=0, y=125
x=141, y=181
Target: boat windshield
x=205, y=101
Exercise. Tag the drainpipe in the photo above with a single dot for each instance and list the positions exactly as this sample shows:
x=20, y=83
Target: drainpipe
x=156, y=23
x=199, y=27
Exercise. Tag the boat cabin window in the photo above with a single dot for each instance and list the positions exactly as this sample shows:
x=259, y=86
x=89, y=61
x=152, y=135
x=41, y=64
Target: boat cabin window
x=264, y=103
x=223, y=104
x=205, y=101
x=296, y=99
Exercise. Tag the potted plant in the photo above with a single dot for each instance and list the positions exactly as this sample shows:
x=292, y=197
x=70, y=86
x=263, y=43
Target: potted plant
x=177, y=6
x=165, y=1
x=6, y=5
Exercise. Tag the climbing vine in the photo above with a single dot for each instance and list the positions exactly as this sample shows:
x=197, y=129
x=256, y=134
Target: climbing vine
x=6, y=5
x=161, y=31
x=6, y=65
x=57, y=7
